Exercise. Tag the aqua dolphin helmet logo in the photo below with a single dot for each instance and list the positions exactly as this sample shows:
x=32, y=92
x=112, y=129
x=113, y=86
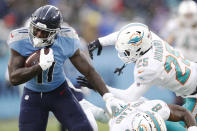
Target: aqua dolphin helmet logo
x=136, y=38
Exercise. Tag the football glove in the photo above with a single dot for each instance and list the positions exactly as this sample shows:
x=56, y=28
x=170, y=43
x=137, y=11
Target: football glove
x=119, y=70
x=46, y=60
x=99, y=114
x=82, y=81
x=113, y=104
x=92, y=46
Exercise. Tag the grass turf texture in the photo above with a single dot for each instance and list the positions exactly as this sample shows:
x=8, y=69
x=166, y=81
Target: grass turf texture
x=53, y=125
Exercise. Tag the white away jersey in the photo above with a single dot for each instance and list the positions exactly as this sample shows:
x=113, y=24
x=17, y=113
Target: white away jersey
x=166, y=67
x=123, y=121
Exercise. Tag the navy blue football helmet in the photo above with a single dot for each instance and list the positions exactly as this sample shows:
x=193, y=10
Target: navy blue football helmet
x=45, y=24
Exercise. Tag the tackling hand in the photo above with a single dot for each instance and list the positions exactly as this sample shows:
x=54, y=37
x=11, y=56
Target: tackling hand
x=92, y=46
x=46, y=60
x=113, y=104
x=82, y=81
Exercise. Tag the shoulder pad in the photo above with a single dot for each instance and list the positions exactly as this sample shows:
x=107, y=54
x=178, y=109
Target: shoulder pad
x=18, y=34
x=69, y=32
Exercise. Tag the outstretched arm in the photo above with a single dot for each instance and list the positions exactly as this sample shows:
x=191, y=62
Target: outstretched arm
x=80, y=62
x=134, y=92
x=102, y=41
x=83, y=66
x=179, y=113
x=109, y=39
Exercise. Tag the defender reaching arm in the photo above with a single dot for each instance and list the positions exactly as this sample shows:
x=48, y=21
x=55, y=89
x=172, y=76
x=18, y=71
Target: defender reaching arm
x=80, y=62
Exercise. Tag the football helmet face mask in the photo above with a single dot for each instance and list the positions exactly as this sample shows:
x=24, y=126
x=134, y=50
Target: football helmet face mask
x=133, y=41
x=187, y=12
x=146, y=121
x=45, y=23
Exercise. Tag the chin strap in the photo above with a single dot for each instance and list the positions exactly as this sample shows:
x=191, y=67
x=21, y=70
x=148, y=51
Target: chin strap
x=142, y=53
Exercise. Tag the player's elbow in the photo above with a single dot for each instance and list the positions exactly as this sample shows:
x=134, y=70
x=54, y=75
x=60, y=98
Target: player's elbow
x=14, y=81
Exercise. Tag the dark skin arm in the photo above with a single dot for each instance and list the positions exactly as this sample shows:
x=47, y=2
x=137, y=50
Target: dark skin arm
x=19, y=74
x=179, y=113
x=83, y=66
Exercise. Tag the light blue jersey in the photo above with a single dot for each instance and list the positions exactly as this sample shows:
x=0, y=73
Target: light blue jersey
x=64, y=46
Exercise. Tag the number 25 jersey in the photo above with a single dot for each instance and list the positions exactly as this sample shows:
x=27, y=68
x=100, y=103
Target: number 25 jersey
x=163, y=66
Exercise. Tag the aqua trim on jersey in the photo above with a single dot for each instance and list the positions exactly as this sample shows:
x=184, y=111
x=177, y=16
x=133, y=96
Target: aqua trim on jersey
x=180, y=76
x=154, y=121
x=174, y=126
x=63, y=48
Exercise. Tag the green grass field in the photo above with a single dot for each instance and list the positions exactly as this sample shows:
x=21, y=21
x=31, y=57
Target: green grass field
x=12, y=125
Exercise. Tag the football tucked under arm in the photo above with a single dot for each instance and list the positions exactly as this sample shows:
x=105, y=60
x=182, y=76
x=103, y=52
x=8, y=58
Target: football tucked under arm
x=34, y=58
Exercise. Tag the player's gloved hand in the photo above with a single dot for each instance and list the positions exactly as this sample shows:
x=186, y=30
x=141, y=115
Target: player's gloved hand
x=192, y=128
x=93, y=45
x=113, y=104
x=99, y=114
x=82, y=81
x=46, y=60
x=119, y=70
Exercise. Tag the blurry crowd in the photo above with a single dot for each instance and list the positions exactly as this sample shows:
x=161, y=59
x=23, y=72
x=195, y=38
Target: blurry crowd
x=90, y=18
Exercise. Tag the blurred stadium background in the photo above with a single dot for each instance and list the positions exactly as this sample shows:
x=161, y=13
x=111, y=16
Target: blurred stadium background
x=91, y=19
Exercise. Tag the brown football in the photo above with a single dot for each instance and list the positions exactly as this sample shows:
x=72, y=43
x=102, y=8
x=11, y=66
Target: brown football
x=34, y=58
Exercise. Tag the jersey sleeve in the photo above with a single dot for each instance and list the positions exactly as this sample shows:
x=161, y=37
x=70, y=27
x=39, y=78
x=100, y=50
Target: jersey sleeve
x=18, y=39
x=70, y=36
x=109, y=39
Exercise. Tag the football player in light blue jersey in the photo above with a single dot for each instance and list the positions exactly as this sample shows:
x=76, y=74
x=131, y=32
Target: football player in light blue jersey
x=46, y=88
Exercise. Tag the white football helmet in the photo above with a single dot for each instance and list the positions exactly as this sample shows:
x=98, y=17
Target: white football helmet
x=187, y=12
x=133, y=41
x=146, y=121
